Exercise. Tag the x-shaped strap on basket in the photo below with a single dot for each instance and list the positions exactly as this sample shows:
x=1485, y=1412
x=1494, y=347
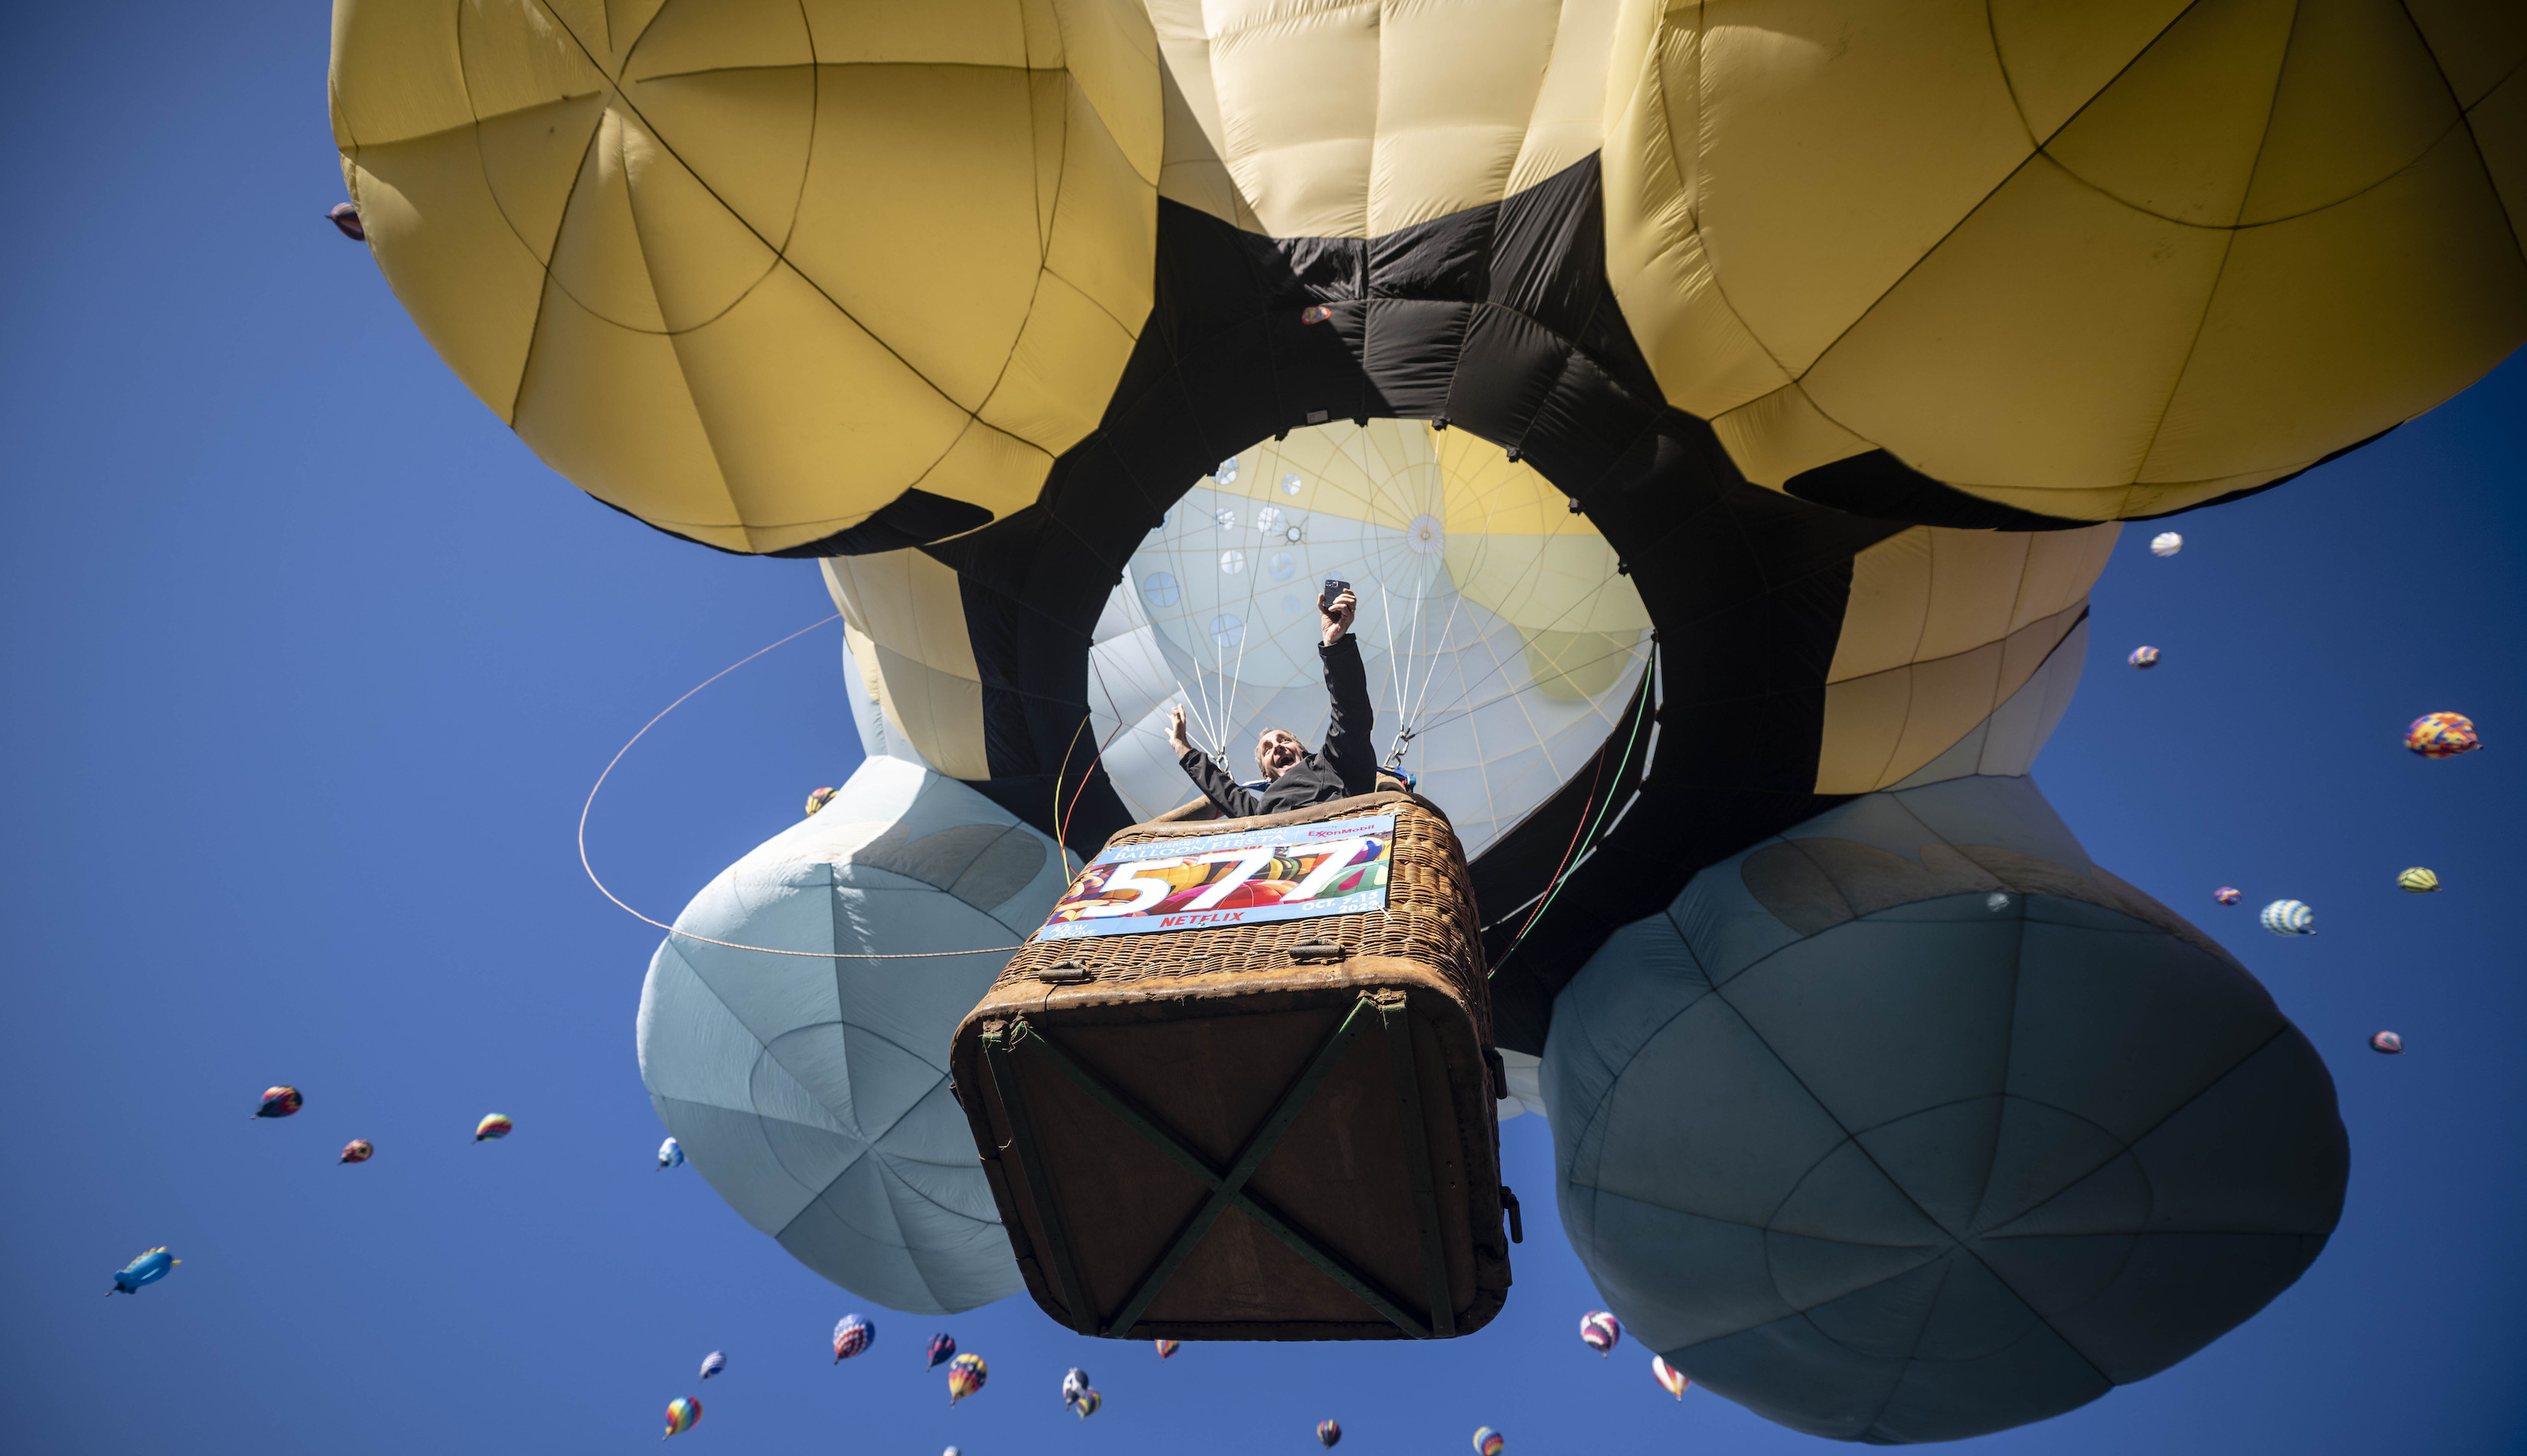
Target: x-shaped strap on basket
x=1228, y=1188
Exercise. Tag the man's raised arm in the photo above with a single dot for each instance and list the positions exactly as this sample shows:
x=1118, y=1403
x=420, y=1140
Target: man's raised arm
x=1351, y=750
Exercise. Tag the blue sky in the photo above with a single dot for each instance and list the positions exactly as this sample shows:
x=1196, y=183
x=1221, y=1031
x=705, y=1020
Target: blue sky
x=309, y=664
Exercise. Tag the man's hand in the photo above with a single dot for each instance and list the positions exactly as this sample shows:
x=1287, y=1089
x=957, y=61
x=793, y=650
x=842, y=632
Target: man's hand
x=1337, y=615
x=1176, y=738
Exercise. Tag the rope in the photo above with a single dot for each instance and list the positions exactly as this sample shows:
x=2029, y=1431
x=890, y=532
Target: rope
x=1554, y=887
x=821, y=955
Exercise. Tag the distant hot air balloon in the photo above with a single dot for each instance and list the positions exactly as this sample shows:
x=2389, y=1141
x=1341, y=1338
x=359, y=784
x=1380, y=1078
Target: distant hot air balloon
x=1600, y=1330
x=1074, y=1384
x=346, y=217
x=966, y=1376
x=1166, y=1347
x=713, y=1363
x=2418, y=881
x=148, y=1269
x=1314, y=313
x=1328, y=1434
x=2388, y=1042
x=2290, y=918
x=942, y=1347
x=2166, y=543
x=851, y=1334
x=682, y=1413
x=671, y=1154
x=2441, y=736
x=493, y=1128
x=1488, y=1441
x=820, y=798
x=2227, y=894
x=1087, y=1403
x=1669, y=1379
x=280, y=1102
x=2143, y=658
x=359, y=1150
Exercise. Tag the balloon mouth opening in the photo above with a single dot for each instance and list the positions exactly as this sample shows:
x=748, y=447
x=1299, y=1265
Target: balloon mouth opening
x=1495, y=624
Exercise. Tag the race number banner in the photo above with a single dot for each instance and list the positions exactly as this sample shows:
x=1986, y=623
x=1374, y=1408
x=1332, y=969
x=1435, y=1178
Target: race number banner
x=1294, y=873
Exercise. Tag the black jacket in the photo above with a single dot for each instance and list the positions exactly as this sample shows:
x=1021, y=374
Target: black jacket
x=1346, y=764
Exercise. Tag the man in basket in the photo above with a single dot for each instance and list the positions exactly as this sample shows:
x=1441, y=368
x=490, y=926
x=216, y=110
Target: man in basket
x=1294, y=777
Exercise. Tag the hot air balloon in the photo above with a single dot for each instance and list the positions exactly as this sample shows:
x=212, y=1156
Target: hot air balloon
x=942, y=1347
x=1166, y=1347
x=2288, y=917
x=148, y=1269
x=1488, y=1441
x=966, y=1376
x=1690, y=1084
x=1088, y=1403
x=2417, y=881
x=2227, y=894
x=852, y=1335
x=820, y=798
x=2143, y=658
x=1669, y=1379
x=359, y=1150
x=1796, y=338
x=671, y=1154
x=713, y=1363
x=1073, y=1381
x=682, y=1413
x=346, y=219
x=2166, y=543
x=2441, y=736
x=2388, y=1042
x=280, y=1102
x=903, y=860
x=492, y=1126
x=1600, y=1330
x=1328, y=1434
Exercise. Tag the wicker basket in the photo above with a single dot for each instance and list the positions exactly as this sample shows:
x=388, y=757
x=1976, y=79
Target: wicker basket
x=1281, y=1131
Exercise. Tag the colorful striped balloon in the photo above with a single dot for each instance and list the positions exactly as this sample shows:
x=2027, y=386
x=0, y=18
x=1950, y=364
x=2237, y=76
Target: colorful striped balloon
x=493, y=1128
x=713, y=1363
x=1328, y=1434
x=359, y=1150
x=943, y=1346
x=1087, y=1404
x=2388, y=1042
x=966, y=1376
x=2227, y=894
x=851, y=1334
x=2290, y=918
x=1488, y=1441
x=1669, y=1379
x=2441, y=736
x=683, y=1414
x=2143, y=658
x=1314, y=313
x=820, y=798
x=1166, y=1347
x=2417, y=881
x=280, y=1102
x=1600, y=1329
x=2166, y=543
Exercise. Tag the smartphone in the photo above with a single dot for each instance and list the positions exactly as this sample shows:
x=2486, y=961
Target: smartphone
x=1334, y=588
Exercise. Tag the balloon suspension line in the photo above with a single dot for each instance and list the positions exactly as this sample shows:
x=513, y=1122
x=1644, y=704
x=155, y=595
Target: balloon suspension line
x=1553, y=887
x=770, y=950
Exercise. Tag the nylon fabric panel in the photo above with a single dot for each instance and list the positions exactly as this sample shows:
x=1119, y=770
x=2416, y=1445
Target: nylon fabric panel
x=2042, y=1110
x=839, y=220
